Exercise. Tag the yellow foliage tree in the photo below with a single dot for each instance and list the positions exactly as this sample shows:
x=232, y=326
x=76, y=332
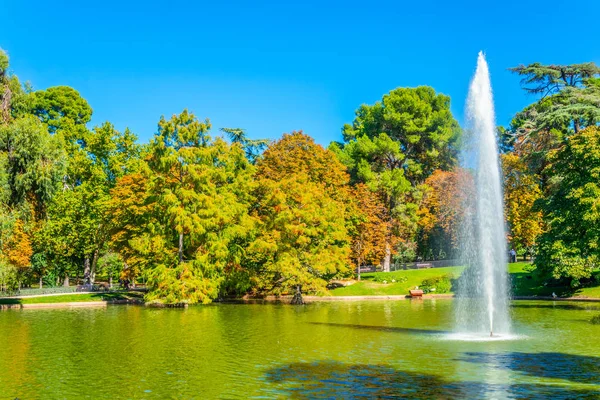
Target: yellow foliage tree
x=303, y=213
x=18, y=248
x=521, y=191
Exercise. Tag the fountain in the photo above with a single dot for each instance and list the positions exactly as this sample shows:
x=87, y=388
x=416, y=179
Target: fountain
x=482, y=308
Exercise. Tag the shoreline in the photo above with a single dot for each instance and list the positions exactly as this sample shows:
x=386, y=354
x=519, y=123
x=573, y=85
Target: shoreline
x=71, y=304
x=282, y=299
x=310, y=299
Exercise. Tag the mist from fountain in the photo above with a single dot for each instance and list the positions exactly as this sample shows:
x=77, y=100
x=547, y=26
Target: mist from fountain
x=482, y=306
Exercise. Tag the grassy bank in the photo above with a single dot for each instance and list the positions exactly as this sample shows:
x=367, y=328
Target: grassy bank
x=524, y=283
x=74, y=298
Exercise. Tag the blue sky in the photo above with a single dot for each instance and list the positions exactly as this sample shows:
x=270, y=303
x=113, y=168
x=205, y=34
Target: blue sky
x=274, y=67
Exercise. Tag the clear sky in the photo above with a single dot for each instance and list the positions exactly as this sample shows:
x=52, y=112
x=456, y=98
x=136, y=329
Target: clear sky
x=274, y=67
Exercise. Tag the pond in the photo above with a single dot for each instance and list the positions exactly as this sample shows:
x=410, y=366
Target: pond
x=331, y=350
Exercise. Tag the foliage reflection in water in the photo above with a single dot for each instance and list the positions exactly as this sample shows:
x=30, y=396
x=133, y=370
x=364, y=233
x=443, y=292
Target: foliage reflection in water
x=342, y=350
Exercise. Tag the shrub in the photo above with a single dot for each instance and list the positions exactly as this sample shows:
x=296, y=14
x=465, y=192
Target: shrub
x=596, y=320
x=438, y=284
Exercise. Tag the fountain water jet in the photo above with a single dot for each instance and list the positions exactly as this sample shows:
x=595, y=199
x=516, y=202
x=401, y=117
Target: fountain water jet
x=482, y=295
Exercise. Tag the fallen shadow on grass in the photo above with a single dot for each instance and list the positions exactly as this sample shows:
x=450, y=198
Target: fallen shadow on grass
x=329, y=379
x=416, y=331
x=575, y=368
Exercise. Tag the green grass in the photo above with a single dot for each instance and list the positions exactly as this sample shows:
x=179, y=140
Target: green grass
x=525, y=282
x=414, y=277
x=70, y=298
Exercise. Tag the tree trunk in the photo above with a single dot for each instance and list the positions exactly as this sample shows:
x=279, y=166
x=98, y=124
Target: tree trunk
x=387, y=260
x=66, y=282
x=110, y=281
x=180, y=247
x=358, y=270
x=94, y=263
x=86, y=271
x=297, y=299
x=41, y=283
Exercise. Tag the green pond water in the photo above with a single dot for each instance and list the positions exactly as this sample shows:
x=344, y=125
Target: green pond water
x=376, y=349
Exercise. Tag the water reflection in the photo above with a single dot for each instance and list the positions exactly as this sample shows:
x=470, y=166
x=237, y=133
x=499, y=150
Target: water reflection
x=382, y=328
x=328, y=379
x=576, y=368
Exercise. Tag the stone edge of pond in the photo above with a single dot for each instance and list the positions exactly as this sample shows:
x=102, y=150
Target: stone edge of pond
x=310, y=299
x=274, y=299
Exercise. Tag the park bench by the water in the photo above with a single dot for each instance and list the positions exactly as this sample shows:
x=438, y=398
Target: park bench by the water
x=416, y=293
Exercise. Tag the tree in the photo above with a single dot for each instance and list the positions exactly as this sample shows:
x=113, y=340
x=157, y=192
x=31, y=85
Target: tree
x=569, y=247
x=77, y=230
x=521, y=192
x=371, y=229
x=392, y=147
x=136, y=233
x=35, y=163
x=420, y=121
x=547, y=80
x=16, y=250
x=297, y=152
x=192, y=199
x=59, y=105
x=442, y=211
x=252, y=147
x=302, y=211
x=5, y=93
x=569, y=102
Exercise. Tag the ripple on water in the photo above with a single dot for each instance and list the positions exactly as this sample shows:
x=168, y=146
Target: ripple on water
x=481, y=337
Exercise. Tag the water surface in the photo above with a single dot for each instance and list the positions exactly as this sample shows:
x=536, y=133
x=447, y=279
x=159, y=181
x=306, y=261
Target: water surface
x=379, y=349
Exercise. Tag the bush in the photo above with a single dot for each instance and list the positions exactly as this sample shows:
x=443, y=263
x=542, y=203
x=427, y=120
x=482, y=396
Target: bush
x=438, y=284
x=596, y=320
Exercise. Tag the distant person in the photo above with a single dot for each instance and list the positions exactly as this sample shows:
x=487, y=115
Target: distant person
x=513, y=256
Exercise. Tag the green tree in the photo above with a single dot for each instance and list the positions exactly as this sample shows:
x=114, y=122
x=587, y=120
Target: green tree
x=193, y=200
x=252, y=147
x=57, y=105
x=77, y=230
x=420, y=121
x=569, y=101
x=393, y=146
x=570, y=246
x=34, y=161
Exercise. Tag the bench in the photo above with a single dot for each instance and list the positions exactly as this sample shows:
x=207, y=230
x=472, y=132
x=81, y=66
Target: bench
x=416, y=293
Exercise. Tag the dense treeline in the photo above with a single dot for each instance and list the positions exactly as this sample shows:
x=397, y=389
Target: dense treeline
x=552, y=170
x=199, y=213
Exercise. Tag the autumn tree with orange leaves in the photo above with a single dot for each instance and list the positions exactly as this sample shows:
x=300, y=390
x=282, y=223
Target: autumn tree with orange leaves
x=442, y=210
x=371, y=230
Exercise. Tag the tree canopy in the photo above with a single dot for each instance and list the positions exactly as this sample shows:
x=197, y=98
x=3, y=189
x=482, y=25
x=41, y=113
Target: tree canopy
x=196, y=216
x=570, y=246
